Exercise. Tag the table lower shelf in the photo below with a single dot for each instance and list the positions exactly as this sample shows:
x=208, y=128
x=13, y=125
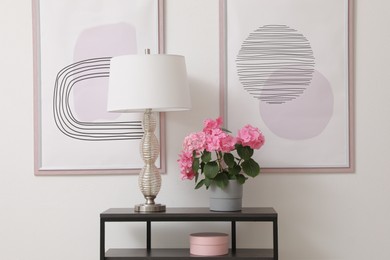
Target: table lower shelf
x=183, y=253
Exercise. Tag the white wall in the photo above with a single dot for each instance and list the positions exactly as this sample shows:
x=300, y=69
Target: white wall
x=322, y=216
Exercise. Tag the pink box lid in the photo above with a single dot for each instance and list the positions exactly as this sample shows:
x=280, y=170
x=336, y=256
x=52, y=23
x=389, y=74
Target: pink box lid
x=209, y=238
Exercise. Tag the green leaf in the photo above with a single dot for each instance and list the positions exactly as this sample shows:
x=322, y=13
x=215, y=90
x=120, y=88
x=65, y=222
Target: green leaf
x=200, y=184
x=232, y=177
x=206, y=156
x=221, y=180
x=211, y=169
x=229, y=160
x=251, y=168
x=207, y=182
x=245, y=152
x=226, y=130
x=235, y=170
x=195, y=165
x=241, y=178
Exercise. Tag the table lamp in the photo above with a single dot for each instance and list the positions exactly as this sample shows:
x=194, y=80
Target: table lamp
x=148, y=83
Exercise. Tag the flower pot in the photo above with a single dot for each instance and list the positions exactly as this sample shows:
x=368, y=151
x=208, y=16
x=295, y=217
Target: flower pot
x=226, y=199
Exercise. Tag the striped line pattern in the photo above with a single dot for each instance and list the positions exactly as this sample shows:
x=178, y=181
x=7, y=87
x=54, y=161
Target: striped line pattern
x=275, y=64
x=69, y=77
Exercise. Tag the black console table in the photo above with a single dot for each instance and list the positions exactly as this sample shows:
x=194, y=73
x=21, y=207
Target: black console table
x=188, y=215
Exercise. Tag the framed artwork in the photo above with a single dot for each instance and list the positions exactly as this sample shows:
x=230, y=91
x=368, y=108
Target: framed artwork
x=73, y=45
x=286, y=67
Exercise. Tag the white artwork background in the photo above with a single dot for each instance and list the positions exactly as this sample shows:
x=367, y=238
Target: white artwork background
x=324, y=24
x=61, y=23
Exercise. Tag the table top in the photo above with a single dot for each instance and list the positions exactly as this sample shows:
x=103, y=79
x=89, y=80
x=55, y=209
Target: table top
x=190, y=214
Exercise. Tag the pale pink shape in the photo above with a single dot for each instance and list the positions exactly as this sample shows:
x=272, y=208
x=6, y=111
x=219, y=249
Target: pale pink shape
x=302, y=118
x=90, y=96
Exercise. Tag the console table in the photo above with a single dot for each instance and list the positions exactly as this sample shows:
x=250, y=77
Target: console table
x=187, y=215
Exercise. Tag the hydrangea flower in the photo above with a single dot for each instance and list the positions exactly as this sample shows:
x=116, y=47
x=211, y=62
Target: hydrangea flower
x=208, y=154
x=250, y=136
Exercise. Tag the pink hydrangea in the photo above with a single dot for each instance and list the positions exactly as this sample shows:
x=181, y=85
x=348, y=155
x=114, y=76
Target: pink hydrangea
x=194, y=142
x=213, y=139
x=209, y=125
x=228, y=143
x=218, y=140
x=185, y=164
x=250, y=136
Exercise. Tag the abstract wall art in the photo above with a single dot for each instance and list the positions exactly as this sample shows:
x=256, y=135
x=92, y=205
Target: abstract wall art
x=73, y=45
x=286, y=66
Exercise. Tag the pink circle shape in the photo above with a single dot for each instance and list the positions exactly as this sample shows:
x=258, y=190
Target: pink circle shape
x=304, y=117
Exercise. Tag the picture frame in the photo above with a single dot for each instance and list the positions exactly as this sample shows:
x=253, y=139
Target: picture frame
x=73, y=43
x=286, y=66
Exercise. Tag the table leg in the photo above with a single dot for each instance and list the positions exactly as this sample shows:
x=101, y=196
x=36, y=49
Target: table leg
x=233, y=234
x=148, y=237
x=102, y=239
x=276, y=249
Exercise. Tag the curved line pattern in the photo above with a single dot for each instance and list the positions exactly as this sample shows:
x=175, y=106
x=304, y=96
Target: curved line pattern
x=275, y=64
x=69, y=77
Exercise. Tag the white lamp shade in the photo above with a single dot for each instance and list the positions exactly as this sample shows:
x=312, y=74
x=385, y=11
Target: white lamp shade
x=139, y=82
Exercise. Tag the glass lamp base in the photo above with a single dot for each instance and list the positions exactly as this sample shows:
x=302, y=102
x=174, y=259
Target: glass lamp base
x=149, y=208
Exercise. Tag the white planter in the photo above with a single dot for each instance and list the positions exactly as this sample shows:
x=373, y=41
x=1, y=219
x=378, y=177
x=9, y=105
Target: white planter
x=226, y=199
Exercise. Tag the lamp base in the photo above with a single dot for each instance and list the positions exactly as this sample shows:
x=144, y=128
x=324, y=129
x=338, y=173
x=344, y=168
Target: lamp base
x=149, y=208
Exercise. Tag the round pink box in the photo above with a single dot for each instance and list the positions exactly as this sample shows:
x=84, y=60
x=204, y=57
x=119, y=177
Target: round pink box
x=209, y=244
